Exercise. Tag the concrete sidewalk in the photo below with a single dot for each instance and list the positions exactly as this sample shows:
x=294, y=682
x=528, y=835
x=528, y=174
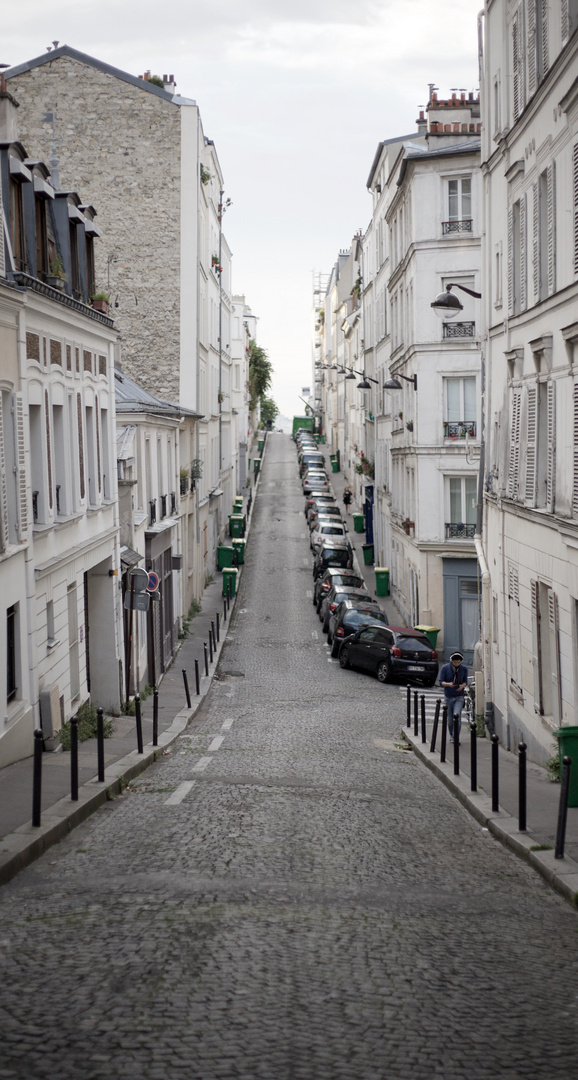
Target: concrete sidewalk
x=20, y=843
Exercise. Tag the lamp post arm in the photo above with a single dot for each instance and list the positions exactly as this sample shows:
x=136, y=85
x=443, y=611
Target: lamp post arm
x=465, y=289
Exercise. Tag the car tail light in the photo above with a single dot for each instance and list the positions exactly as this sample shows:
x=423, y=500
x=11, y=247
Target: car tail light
x=434, y=655
x=332, y=607
x=395, y=651
x=340, y=632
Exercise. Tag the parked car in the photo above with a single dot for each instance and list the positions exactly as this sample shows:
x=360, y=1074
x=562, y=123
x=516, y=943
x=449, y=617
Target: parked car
x=336, y=554
x=326, y=510
x=315, y=482
x=324, y=529
x=395, y=651
x=310, y=458
x=331, y=601
x=318, y=497
x=349, y=617
x=334, y=575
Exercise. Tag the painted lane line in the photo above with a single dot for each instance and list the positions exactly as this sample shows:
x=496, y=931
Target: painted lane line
x=202, y=764
x=216, y=743
x=180, y=793
x=227, y=724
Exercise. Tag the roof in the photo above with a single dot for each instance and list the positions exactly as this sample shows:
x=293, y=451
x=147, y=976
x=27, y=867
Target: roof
x=130, y=397
x=472, y=146
x=84, y=58
x=380, y=146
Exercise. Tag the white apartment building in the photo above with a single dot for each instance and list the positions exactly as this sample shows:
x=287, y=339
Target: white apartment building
x=530, y=298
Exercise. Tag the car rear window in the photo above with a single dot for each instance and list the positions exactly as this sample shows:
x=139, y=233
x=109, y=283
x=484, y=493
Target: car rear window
x=335, y=557
x=414, y=644
x=359, y=618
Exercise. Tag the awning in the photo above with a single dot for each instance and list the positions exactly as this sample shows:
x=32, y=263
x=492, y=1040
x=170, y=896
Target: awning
x=215, y=494
x=129, y=558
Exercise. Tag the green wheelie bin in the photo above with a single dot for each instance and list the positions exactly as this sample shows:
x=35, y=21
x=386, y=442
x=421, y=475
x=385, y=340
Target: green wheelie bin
x=382, y=580
x=568, y=747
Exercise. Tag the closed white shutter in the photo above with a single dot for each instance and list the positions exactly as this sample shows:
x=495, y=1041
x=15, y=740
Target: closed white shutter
x=531, y=446
x=3, y=491
x=551, y=465
x=545, y=51
x=575, y=452
x=21, y=469
x=510, y=260
x=536, y=239
x=513, y=584
x=531, y=50
x=551, y=212
x=575, y=187
x=514, y=463
x=518, y=63
x=535, y=605
x=523, y=260
x=565, y=21
x=555, y=656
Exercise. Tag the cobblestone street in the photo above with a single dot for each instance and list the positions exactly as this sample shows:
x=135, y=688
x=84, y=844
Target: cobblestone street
x=287, y=894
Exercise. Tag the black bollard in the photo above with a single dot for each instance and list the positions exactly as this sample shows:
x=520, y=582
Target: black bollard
x=444, y=734
x=434, y=733
x=37, y=777
x=423, y=735
x=74, y=758
x=218, y=621
x=214, y=633
x=224, y=610
x=187, y=692
x=100, y=743
x=210, y=647
x=206, y=658
x=415, y=719
x=563, y=808
x=409, y=706
x=495, y=775
x=522, y=786
x=197, y=680
x=456, y=748
x=155, y=717
x=473, y=755
x=138, y=724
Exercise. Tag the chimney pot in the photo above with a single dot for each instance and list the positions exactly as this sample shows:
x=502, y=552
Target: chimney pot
x=164, y=78
x=171, y=78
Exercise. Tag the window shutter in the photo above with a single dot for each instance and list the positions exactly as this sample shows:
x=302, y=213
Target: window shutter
x=523, y=260
x=555, y=656
x=575, y=187
x=545, y=52
x=575, y=450
x=531, y=444
x=48, y=449
x=3, y=490
x=535, y=605
x=21, y=468
x=551, y=211
x=531, y=51
x=551, y=466
x=510, y=260
x=536, y=239
x=565, y=22
x=513, y=584
x=518, y=62
x=514, y=445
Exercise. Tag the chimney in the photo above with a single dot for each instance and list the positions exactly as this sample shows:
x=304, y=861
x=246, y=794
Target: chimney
x=8, y=119
x=421, y=123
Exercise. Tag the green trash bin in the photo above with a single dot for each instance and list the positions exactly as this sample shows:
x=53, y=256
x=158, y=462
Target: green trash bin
x=224, y=556
x=568, y=747
x=256, y=465
x=358, y=523
x=368, y=554
x=239, y=547
x=236, y=524
x=382, y=580
x=431, y=633
x=322, y=439
x=260, y=444
x=229, y=580
x=316, y=437
x=238, y=501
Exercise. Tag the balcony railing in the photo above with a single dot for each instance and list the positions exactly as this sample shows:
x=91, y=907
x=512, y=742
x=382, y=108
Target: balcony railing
x=459, y=330
x=173, y=503
x=459, y=429
x=35, y=495
x=456, y=226
x=459, y=531
x=163, y=506
x=58, y=498
x=153, y=511
x=184, y=485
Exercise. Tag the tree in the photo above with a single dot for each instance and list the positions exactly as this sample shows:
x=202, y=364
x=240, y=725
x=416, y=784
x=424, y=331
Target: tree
x=269, y=410
x=260, y=373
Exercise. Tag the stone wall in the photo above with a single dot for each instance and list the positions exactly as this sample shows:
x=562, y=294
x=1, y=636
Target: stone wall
x=119, y=147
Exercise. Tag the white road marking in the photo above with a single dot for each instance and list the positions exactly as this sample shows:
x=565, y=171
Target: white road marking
x=227, y=724
x=216, y=743
x=180, y=793
x=202, y=764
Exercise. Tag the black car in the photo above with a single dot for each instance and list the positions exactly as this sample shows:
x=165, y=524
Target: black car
x=331, y=601
x=339, y=555
x=350, y=616
x=391, y=651
x=334, y=575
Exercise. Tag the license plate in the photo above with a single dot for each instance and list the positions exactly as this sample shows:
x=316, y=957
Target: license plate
x=414, y=667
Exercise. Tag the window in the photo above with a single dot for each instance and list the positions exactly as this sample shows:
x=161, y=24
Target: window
x=459, y=204
x=460, y=408
x=90, y=276
x=17, y=237
x=41, y=238
x=462, y=497
x=540, y=446
x=74, y=261
x=543, y=233
x=546, y=651
x=11, y=653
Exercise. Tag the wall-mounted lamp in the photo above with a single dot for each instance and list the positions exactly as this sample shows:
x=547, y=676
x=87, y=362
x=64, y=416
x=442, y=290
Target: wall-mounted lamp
x=447, y=306
x=366, y=381
x=394, y=384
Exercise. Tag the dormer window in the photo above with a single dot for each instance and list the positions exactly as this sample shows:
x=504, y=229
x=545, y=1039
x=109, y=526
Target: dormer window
x=74, y=261
x=17, y=237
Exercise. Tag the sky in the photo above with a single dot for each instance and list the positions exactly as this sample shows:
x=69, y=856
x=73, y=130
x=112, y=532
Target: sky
x=296, y=99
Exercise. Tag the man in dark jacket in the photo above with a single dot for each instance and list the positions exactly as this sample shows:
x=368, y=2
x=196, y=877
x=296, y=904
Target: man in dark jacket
x=454, y=679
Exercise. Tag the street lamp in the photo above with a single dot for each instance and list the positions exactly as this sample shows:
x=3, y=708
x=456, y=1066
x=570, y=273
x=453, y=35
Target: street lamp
x=394, y=384
x=447, y=306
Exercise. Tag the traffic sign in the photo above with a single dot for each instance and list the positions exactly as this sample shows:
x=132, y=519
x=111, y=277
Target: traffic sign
x=139, y=601
x=138, y=580
x=153, y=581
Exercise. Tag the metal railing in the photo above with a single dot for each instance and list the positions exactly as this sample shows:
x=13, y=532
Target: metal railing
x=459, y=531
x=173, y=503
x=459, y=330
x=457, y=226
x=459, y=429
x=35, y=495
x=163, y=506
x=152, y=511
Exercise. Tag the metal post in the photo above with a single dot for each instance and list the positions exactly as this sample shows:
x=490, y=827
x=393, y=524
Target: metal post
x=213, y=635
x=100, y=743
x=155, y=717
x=495, y=775
x=408, y=705
x=206, y=659
x=224, y=610
x=138, y=724
x=456, y=748
x=444, y=733
x=563, y=808
x=473, y=755
x=197, y=680
x=210, y=646
x=434, y=733
x=415, y=719
x=187, y=693
x=218, y=626
x=423, y=735
x=522, y=786
x=74, y=759
x=37, y=777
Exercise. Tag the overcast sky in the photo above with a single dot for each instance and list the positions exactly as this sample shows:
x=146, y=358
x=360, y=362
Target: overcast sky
x=296, y=98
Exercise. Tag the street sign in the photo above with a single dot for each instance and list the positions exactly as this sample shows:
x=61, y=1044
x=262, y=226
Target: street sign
x=139, y=580
x=140, y=601
x=153, y=581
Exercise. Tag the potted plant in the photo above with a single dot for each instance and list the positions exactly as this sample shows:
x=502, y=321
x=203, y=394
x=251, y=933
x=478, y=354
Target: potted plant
x=100, y=302
x=409, y=425
x=56, y=276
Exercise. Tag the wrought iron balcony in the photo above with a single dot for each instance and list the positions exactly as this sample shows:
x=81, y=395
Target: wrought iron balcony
x=58, y=486
x=459, y=531
x=459, y=429
x=457, y=226
x=184, y=485
x=459, y=330
x=173, y=503
x=163, y=506
x=35, y=495
x=153, y=511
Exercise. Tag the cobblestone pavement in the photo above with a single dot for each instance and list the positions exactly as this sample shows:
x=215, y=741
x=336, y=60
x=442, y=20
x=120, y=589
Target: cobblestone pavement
x=287, y=894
